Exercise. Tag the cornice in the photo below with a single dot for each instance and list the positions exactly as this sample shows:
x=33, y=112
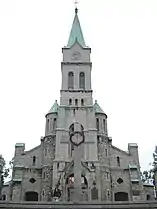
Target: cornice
x=76, y=63
x=75, y=91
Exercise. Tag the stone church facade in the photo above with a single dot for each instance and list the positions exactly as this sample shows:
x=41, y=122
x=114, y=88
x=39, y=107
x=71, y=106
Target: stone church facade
x=46, y=172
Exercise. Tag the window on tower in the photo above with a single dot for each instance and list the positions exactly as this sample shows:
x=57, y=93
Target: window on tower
x=97, y=124
x=82, y=102
x=104, y=126
x=70, y=101
x=82, y=81
x=76, y=102
x=47, y=126
x=54, y=124
x=70, y=80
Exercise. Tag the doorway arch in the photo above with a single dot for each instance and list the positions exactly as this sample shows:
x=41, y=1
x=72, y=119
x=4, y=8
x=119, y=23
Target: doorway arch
x=121, y=196
x=31, y=196
x=4, y=197
x=70, y=187
x=148, y=197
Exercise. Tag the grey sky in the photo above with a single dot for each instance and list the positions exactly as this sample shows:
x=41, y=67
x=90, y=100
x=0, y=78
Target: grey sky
x=123, y=38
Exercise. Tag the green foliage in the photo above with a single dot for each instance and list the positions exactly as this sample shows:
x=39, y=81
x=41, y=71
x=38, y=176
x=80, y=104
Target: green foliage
x=4, y=172
x=149, y=176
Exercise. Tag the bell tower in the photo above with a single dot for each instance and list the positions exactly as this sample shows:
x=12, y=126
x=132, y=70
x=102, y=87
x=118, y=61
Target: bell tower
x=74, y=161
x=76, y=68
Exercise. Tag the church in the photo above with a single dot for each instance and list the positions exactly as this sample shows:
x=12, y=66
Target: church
x=76, y=159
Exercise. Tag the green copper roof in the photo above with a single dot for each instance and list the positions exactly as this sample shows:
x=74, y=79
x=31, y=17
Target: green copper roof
x=97, y=108
x=54, y=108
x=76, y=32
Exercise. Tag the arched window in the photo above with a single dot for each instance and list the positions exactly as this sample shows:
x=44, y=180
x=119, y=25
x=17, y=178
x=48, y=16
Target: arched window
x=44, y=175
x=34, y=160
x=104, y=125
x=3, y=197
x=82, y=80
x=148, y=197
x=82, y=102
x=70, y=80
x=48, y=123
x=70, y=101
x=54, y=124
x=97, y=124
x=76, y=102
x=45, y=151
x=118, y=161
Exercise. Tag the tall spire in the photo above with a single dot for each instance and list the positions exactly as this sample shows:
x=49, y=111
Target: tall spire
x=76, y=32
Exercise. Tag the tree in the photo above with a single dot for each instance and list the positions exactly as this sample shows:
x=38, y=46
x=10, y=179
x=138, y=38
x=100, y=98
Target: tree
x=150, y=176
x=4, y=172
x=154, y=170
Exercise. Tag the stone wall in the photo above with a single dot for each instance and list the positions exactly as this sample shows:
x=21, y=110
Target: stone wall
x=43, y=205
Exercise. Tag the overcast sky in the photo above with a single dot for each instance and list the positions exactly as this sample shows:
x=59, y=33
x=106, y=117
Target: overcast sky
x=123, y=38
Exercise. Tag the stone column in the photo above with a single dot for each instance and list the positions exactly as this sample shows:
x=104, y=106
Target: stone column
x=77, y=139
x=77, y=174
x=77, y=166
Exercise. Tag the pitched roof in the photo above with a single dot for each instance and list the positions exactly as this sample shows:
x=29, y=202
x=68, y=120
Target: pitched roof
x=54, y=108
x=97, y=108
x=76, y=32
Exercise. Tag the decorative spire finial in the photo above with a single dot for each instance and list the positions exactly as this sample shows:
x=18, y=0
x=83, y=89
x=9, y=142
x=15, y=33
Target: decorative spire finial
x=76, y=9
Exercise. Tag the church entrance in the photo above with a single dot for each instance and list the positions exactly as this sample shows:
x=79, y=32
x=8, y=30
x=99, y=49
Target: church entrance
x=121, y=196
x=31, y=196
x=70, y=188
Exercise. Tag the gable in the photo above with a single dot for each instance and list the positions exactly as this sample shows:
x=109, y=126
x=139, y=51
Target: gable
x=26, y=159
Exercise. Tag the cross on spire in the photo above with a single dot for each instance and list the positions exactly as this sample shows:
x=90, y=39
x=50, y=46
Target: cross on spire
x=76, y=3
x=76, y=9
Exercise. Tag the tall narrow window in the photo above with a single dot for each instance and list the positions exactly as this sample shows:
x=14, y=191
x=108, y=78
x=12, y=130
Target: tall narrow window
x=34, y=160
x=45, y=151
x=70, y=80
x=82, y=102
x=54, y=124
x=98, y=144
x=97, y=124
x=82, y=81
x=76, y=102
x=70, y=101
x=107, y=174
x=106, y=152
x=118, y=161
x=71, y=149
x=44, y=175
x=47, y=125
x=57, y=165
x=104, y=126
